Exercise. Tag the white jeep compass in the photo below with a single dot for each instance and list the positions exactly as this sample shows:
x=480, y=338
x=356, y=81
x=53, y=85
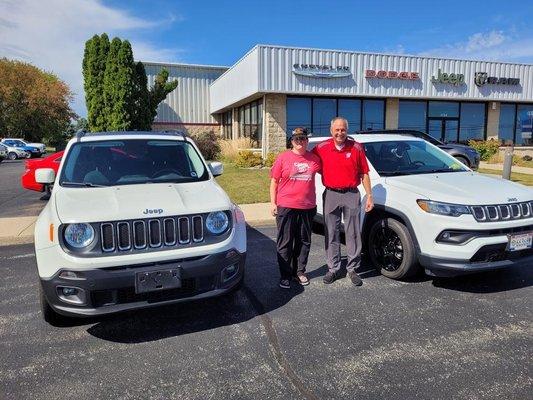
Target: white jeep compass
x=135, y=219
x=433, y=211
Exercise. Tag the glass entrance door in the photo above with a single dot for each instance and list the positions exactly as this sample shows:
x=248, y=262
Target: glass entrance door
x=444, y=129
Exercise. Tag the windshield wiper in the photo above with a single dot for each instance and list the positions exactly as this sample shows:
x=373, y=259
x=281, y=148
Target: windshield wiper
x=393, y=173
x=82, y=184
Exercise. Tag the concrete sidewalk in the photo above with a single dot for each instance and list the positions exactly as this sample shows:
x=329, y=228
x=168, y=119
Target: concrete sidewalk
x=20, y=230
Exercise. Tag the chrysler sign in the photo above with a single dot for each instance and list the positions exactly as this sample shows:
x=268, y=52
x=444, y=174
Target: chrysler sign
x=321, y=71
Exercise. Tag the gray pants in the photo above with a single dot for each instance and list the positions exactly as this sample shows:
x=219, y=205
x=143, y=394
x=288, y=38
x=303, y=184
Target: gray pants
x=337, y=205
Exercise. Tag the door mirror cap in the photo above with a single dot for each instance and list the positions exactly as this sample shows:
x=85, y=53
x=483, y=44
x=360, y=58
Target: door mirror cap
x=45, y=175
x=216, y=168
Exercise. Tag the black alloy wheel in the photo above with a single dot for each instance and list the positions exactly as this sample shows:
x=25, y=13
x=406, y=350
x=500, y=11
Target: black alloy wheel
x=391, y=248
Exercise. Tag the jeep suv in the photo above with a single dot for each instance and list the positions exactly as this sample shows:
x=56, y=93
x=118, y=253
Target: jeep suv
x=135, y=219
x=431, y=211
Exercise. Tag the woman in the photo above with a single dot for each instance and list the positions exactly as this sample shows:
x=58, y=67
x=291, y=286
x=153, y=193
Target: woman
x=293, y=203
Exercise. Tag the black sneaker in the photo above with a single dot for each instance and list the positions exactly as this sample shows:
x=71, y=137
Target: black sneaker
x=356, y=280
x=330, y=277
x=285, y=284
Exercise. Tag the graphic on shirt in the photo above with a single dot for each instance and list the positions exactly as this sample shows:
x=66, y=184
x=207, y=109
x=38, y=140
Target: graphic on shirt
x=348, y=155
x=300, y=172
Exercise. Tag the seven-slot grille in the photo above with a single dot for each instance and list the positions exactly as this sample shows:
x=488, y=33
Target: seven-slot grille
x=151, y=233
x=503, y=212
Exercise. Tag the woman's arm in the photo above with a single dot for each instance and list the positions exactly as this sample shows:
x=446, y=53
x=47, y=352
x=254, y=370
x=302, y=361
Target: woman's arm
x=273, y=192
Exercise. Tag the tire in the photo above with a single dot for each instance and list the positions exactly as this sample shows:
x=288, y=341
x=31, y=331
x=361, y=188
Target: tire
x=11, y=155
x=463, y=160
x=391, y=249
x=49, y=315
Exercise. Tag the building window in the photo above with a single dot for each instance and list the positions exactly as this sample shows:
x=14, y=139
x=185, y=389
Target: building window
x=226, y=125
x=351, y=110
x=324, y=110
x=446, y=109
x=472, y=123
x=506, y=125
x=251, y=122
x=524, y=124
x=298, y=113
x=412, y=115
x=373, y=114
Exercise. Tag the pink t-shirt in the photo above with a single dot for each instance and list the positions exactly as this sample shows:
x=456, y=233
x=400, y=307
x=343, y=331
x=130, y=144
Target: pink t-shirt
x=296, y=179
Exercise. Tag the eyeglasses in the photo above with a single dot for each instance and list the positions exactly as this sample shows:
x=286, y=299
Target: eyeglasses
x=299, y=139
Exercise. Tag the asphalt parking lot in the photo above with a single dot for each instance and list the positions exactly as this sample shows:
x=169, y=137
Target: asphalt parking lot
x=461, y=338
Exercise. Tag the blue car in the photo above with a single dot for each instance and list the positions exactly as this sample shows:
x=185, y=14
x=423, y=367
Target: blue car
x=19, y=144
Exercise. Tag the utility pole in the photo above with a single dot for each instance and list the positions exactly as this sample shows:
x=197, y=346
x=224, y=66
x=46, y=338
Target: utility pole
x=508, y=162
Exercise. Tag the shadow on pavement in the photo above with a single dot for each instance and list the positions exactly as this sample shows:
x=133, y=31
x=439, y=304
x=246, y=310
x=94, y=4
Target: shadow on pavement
x=489, y=282
x=261, y=281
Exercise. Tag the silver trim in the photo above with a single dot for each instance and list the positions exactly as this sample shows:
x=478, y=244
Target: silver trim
x=527, y=208
x=150, y=233
x=188, y=231
x=508, y=212
x=517, y=216
x=165, y=232
x=201, y=227
x=135, y=236
x=495, y=209
x=482, y=210
x=108, y=250
x=119, y=237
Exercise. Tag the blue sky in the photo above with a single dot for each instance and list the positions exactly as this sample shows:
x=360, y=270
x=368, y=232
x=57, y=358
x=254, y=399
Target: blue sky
x=51, y=33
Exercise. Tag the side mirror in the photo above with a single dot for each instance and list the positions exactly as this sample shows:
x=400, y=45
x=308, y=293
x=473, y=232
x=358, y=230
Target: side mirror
x=216, y=168
x=45, y=175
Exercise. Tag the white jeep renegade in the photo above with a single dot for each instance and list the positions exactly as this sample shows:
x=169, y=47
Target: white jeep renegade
x=433, y=211
x=135, y=219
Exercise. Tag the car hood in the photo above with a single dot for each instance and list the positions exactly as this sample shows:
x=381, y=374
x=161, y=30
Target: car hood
x=470, y=188
x=132, y=201
x=456, y=146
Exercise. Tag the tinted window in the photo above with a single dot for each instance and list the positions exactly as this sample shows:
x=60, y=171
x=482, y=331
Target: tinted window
x=298, y=113
x=351, y=110
x=472, y=124
x=324, y=110
x=109, y=163
x=524, y=122
x=506, y=124
x=443, y=109
x=373, y=114
x=412, y=115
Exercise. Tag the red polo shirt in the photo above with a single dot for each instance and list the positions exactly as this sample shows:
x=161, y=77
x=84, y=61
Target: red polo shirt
x=342, y=168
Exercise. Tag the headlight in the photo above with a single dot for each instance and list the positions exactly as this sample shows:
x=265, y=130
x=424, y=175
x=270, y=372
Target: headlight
x=217, y=222
x=79, y=235
x=435, y=207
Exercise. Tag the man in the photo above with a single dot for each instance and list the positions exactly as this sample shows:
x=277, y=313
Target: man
x=344, y=167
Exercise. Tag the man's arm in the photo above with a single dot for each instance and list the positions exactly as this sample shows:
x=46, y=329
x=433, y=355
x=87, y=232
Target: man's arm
x=368, y=189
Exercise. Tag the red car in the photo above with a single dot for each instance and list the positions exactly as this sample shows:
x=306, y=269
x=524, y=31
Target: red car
x=28, y=178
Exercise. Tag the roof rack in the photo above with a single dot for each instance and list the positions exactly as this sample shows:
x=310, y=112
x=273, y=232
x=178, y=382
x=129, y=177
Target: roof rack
x=172, y=132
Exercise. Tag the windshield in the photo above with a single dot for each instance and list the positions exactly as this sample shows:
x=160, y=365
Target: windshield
x=128, y=162
x=408, y=157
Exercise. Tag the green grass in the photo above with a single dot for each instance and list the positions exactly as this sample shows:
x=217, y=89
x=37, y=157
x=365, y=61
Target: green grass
x=245, y=186
x=524, y=179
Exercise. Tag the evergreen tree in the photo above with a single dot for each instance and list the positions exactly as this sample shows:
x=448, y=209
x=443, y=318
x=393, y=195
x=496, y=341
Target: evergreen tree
x=111, y=85
x=141, y=116
x=159, y=92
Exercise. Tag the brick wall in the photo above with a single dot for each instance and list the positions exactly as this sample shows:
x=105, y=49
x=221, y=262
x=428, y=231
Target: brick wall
x=275, y=122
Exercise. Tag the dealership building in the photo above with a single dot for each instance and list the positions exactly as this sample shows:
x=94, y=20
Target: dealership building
x=273, y=89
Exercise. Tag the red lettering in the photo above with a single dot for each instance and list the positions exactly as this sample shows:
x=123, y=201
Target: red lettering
x=382, y=74
x=370, y=73
x=403, y=75
x=392, y=75
x=414, y=75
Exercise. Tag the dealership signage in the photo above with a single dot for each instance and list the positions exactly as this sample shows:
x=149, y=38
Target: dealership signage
x=321, y=71
x=452, y=79
x=483, y=78
x=371, y=73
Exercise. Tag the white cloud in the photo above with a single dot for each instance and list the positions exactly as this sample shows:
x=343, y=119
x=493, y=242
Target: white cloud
x=493, y=46
x=51, y=34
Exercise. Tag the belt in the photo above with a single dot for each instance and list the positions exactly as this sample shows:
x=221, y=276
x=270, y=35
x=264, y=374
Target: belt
x=344, y=190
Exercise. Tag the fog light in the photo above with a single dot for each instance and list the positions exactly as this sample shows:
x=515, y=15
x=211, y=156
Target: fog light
x=445, y=235
x=229, y=272
x=73, y=295
x=231, y=254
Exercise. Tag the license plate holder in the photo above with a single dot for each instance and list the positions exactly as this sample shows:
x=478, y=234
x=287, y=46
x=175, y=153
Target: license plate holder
x=154, y=281
x=522, y=241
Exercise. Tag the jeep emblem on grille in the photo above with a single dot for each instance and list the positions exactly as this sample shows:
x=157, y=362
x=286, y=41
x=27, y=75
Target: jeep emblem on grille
x=512, y=199
x=154, y=211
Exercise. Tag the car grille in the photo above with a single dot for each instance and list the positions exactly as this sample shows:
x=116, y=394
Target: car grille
x=502, y=212
x=499, y=252
x=151, y=233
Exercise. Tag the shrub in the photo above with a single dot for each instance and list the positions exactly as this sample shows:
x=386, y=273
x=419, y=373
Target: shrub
x=230, y=148
x=208, y=144
x=270, y=158
x=486, y=148
x=248, y=159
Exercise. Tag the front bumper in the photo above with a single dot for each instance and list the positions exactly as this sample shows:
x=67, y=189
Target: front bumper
x=487, y=258
x=110, y=290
